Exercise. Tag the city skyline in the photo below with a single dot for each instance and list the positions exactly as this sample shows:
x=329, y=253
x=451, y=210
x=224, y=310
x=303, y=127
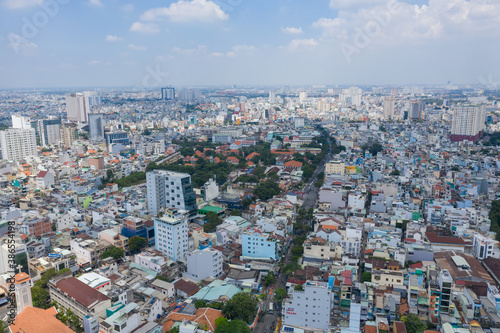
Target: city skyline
x=103, y=43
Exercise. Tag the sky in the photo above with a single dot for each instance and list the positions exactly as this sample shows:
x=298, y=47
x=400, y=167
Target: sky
x=153, y=43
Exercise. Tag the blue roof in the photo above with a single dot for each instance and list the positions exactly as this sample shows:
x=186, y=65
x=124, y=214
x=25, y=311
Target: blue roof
x=215, y=290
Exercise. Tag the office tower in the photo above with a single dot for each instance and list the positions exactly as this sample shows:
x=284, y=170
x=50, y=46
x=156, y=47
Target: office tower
x=18, y=144
x=302, y=96
x=468, y=122
x=171, y=234
x=422, y=110
x=170, y=189
x=299, y=122
x=92, y=98
x=389, y=103
x=189, y=95
x=96, y=127
x=414, y=112
x=68, y=135
x=394, y=92
x=21, y=122
x=49, y=131
x=117, y=137
x=272, y=97
x=168, y=93
x=77, y=107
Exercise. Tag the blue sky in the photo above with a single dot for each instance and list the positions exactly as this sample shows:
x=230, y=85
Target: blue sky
x=150, y=43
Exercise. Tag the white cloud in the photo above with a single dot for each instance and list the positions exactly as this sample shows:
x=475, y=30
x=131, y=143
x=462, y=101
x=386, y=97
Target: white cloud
x=302, y=43
x=112, y=38
x=201, y=49
x=137, y=47
x=127, y=8
x=95, y=62
x=96, y=3
x=397, y=22
x=20, y=44
x=344, y=4
x=292, y=30
x=21, y=4
x=145, y=28
x=217, y=54
x=187, y=11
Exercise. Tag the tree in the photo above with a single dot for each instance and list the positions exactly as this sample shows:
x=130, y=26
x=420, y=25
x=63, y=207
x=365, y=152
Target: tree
x=279, y=294
x=269, y=279
x=219, y=321
x=114, y=252
x=213, y=220
x=242, y=306
x=413, y=324
x=395, y=172
x=267, y=190
x=136, y=243
x=298, y=287
x=4, y=327
x=236, y=212
x=53, y=227
x=366, y=277
x=297, y=250
x=233, y=326
x=40, y=297
x=200, y=304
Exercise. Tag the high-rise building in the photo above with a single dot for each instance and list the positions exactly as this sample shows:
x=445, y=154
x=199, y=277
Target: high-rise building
x=92, y=98
x=308, y=308
x=96, y=127
x=120, y=137
x=302, y=96
x=272, y=97
x=49, y=131
x=414, y=112
x=168, y=93
x=77, y=107
x=170, y=189
x=18, y=144
x=351, y=96
x=468, y=122
x=68, y=135
x=171, y=234
x=389, y=103
x=21, y=122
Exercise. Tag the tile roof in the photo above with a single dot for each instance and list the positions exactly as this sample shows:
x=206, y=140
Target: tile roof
x=202, y=316
x=186, y=286
x=35, y=320
x=434, y=238
x=82, y=293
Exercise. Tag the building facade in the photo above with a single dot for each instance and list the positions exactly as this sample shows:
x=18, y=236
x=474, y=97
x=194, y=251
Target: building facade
x=170, y=189
x=468, y=122
x=18, y=144
x=171, y=234
x=204, y=263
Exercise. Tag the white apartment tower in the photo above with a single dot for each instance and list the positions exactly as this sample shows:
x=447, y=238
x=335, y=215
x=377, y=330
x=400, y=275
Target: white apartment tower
x=468, y=122
x=389, y=104
x=482, y=246
x=202, y=264
x=170, y=189
x=309, y=308
x=18, y=144
x=77, y=107
x=171, y=234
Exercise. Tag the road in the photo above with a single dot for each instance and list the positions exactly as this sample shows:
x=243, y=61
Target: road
x=269, y=321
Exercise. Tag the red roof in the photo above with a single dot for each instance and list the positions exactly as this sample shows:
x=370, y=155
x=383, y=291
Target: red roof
x=82, y=293
x=434, y=238
x=41, y=174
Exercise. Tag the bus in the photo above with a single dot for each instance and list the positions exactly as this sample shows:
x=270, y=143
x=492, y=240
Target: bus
x=270, y=310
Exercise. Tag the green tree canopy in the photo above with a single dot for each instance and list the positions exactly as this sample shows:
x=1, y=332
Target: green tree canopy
x=136, y=243
x=113, y=252
x=233, y=326
x=242, y=306
x=413, y=324
x=269, y=279
x=366, y=277
x=279, y=294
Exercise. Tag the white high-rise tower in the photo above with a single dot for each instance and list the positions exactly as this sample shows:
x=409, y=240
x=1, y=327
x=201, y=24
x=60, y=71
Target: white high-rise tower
x=23, y=291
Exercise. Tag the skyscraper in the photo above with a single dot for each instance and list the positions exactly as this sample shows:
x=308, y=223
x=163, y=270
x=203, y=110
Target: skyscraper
x=168, y=93
x=468, y=122
x=170, y=189
x=68, y=135
x=77, y=107
x=18, y=144
x=92, y=98
x=272, y=97
x=389, y=103
x=302, y=96
x=96, y=127
x=414, y=112
x=49, y=131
